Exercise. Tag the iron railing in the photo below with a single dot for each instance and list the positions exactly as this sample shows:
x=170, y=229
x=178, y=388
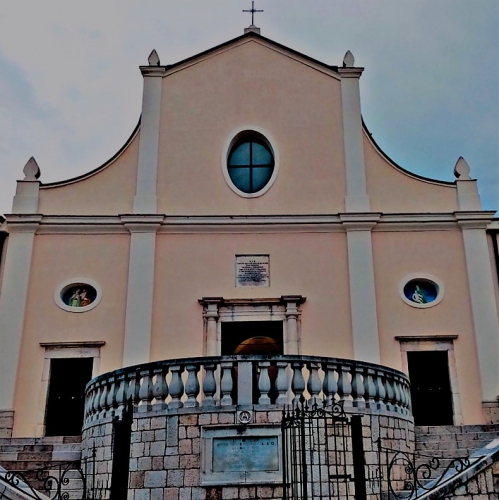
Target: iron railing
x=58, y=481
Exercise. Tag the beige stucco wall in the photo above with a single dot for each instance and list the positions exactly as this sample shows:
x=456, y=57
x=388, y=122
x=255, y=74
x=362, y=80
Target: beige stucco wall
x=109, y=191
x=189, y=267
x=441, y=254
x=392, y=190
x=248, y=85
x=56, y=258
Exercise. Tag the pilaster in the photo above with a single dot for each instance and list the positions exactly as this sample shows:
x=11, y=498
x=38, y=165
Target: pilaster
x=145, y=200
x=140, y=292
x=483, y=304
x=13, y=301
x=28, y=190
x=211, y=316
x=362, y=288
x=356, y=199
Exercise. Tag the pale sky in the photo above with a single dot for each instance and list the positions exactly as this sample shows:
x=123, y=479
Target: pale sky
x=70, y=87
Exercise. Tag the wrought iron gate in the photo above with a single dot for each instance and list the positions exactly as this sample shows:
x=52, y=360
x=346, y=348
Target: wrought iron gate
x=321, y=454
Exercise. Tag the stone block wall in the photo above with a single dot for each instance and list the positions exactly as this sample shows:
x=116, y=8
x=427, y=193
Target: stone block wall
x=491, y=412
x=166, y=451
x=484, y=486
x=6, y=423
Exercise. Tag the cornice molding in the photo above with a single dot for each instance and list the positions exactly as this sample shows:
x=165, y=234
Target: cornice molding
x=198, y=224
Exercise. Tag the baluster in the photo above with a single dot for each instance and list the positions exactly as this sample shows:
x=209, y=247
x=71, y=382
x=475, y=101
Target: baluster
x=226, y=384
x=160, y=389
x=397, y=402
x=358, y=387
x=390, y=393
x=369, y=388
x=314, y=382
x=408, y=396
x=120, y=395
x=145, y=391
x=176, y=386
x=96, y=402
x=111, y=397
x=344, y=385
x=380, y=391
x=192, y=386
x=209, y=385
x=297, y=382
x=89, y=402
x=329, y=386
x=264, y=383
x=133, y=387
x=281, y=383
x=103, y=399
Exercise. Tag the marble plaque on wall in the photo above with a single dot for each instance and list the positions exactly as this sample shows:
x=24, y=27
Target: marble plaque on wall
x=247, y=454
x=252, y=270
x=241, y=455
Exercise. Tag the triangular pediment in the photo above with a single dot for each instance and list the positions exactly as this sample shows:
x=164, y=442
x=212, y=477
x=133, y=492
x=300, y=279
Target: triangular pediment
x=252, y=37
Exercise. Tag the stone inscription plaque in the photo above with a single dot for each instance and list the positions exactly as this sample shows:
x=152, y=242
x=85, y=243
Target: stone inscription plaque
x=252, y=270
x=245, y=454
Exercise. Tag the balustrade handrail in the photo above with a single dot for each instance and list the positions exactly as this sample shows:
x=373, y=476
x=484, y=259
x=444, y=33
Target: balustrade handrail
x=221, y=381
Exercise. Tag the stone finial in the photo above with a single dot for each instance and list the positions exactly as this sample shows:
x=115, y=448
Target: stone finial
x=348, y=60
x=462, y=170
x=31, y=170
x=153, y=58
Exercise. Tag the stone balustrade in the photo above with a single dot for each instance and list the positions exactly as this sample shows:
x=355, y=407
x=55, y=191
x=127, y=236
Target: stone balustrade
x=225, y=381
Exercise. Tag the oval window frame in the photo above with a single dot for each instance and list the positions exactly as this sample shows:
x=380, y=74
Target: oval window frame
x=436, y=282
x=62, y=287
x=234, y=137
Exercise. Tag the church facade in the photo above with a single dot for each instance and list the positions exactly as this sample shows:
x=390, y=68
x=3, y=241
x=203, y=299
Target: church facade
x=250, y=213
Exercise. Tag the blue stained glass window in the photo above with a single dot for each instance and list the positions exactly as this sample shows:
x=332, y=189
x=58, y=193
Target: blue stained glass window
x=420, y=291
x=250, y=164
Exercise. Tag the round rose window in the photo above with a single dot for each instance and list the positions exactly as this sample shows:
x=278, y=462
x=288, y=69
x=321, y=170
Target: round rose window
x=421, y=291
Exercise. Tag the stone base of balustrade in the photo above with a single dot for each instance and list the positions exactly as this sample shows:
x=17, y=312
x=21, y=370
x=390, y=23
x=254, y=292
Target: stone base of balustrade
x=168, y=448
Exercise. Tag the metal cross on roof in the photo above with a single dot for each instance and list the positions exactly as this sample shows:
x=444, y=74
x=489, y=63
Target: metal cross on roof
x=252, y=10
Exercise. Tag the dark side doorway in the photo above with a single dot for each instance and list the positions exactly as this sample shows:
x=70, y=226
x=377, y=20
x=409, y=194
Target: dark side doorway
x=430, y=388
x=66, y=395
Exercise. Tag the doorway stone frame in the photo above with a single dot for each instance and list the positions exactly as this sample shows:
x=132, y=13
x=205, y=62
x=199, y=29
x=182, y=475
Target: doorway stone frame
x=217, y=310
x=435, y=343
x=54, y=350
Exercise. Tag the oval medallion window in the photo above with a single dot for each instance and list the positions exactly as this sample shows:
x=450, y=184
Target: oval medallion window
x=77, y=296
x=250, y=163
x=421, y=292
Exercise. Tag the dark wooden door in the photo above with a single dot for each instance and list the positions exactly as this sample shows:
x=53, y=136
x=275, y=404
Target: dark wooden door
x=430, y=388
x=66, y=398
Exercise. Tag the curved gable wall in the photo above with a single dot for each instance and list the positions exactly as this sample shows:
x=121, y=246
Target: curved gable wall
x=392, y=190
x=109, y=191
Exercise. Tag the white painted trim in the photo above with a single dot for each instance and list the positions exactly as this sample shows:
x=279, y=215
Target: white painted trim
x=57, y=351
x=484, y=309
x=140, y=294
x=423, y=277
x=363, y=296
x=437, y=344
x=293, y=55
x=13, y=300
x=147, y=170
x=62, y=287
x=229, y=142
x=356, y=199
x=218, y=310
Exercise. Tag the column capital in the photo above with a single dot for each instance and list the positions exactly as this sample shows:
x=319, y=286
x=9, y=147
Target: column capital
x=474, y=219
x=142, y=223
x=360, y=221
x=152, y=71
x=350, y=72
